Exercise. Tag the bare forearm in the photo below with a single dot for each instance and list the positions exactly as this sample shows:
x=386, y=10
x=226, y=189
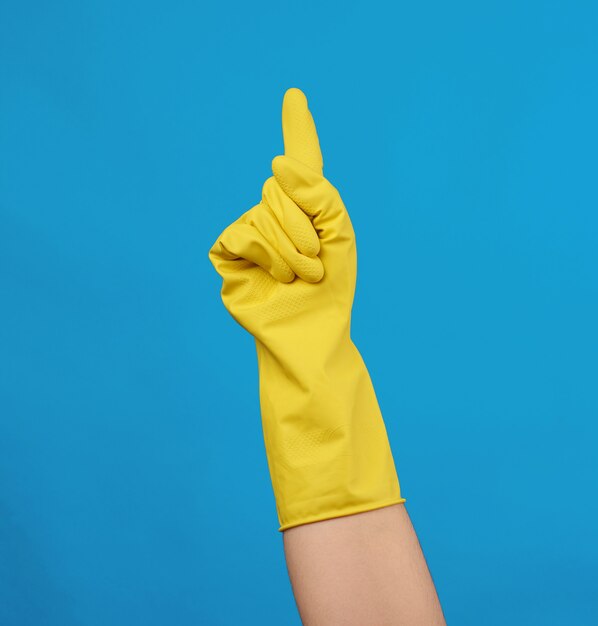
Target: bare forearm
x=364, y=569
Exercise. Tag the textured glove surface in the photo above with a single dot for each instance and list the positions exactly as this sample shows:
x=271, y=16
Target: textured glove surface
x=289, y=270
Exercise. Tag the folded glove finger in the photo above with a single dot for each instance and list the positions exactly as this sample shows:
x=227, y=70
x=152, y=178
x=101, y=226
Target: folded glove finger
x=315, y=195
x=243, y=242
x=310, y=269
x=293, y=220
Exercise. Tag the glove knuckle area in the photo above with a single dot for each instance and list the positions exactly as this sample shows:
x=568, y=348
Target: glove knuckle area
x=291, y=218
x=264, y=219
x=314, y=194
x=307, y=268
x=245, y=241
x=257, y=238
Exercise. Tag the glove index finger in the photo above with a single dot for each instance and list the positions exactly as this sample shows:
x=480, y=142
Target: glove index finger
x=299, y=131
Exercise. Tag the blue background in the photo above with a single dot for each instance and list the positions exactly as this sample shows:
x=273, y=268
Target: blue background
x=463, y=137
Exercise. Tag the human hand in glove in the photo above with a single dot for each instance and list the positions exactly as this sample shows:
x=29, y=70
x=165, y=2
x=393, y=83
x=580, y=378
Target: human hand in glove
x=289, y=269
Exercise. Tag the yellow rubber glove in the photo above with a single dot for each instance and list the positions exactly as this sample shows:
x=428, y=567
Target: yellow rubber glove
x=289, y=268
